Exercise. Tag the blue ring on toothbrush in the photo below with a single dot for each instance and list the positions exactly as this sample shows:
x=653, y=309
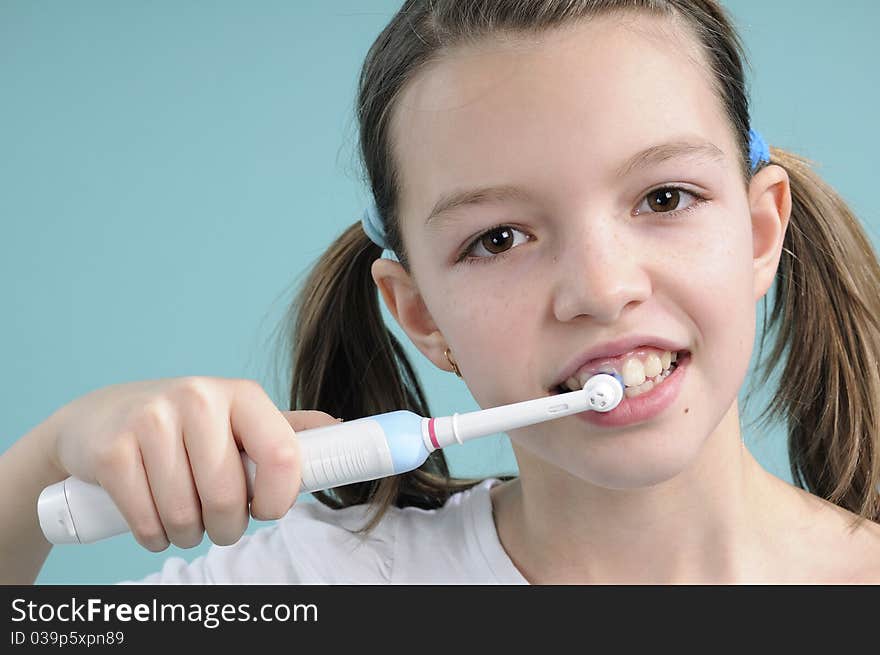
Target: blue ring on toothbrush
x=399, y=426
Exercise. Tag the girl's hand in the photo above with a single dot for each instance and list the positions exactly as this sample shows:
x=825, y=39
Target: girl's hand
x=167, y=452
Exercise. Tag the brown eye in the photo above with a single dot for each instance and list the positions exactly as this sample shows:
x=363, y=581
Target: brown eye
x=497, y=240
x=664, y=200
x=494, y=244
x=668, y=200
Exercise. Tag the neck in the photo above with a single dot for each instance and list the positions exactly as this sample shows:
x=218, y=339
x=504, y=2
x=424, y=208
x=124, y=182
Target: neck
x=708, y=524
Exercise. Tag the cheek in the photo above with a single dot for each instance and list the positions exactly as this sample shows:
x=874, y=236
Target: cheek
x=718, y=290
x=494, y=330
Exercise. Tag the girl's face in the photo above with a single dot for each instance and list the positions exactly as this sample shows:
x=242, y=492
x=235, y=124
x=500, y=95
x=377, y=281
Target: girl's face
x=588, y=255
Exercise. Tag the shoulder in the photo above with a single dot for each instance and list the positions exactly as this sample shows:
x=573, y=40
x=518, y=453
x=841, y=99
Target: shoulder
x=454, y=544
x=328, y=546
x=845, y=548
x=865, y=553
x=446, y=544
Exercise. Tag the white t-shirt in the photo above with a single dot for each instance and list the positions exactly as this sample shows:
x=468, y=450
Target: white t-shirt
x=455, y=544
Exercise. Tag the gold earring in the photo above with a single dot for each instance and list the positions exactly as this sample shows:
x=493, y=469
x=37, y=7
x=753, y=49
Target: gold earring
x=452, y=363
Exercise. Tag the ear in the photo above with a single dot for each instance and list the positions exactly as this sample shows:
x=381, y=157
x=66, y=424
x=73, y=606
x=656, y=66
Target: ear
x=770, y=206
x=404, y=302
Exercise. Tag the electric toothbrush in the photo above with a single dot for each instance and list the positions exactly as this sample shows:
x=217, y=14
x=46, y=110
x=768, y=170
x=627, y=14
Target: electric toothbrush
x=73, y=511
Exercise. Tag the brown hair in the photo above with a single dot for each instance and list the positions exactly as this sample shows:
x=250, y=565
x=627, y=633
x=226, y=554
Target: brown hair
x=346, y=361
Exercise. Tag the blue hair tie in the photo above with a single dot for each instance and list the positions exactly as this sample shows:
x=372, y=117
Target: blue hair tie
x=759, y=151
x=374, y=228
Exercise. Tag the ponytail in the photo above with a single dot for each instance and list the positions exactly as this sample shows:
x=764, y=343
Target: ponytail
x=826, y=310
x=346, y=362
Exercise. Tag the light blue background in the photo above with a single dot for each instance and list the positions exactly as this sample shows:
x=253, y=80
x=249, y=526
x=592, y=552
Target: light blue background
x=171, y=170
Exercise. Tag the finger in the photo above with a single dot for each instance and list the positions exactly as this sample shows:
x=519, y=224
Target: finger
x=121, y=473
x=217, y=470
x=171, y=478
x=269, y=440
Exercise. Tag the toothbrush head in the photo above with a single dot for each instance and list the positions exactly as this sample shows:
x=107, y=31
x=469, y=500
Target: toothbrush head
x=604, y=391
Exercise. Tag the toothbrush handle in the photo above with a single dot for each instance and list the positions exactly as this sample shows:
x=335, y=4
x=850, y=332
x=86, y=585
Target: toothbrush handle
x=74, y=511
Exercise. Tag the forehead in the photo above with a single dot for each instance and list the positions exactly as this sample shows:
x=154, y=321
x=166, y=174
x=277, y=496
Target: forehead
x=555, y=110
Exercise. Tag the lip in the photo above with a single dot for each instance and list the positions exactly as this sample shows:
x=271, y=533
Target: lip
x=644, y=406
x=612, y=349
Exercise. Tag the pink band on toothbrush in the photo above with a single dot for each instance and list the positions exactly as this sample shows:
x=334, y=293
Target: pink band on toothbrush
x=432, y=434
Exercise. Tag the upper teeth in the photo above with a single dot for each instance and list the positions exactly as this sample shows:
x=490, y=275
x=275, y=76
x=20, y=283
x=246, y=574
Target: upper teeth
x=635, y=369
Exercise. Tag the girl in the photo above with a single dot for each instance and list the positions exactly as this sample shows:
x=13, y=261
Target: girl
x=559, y=187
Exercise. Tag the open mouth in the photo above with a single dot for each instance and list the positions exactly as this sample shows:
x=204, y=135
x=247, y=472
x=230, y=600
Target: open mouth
x=640, y=372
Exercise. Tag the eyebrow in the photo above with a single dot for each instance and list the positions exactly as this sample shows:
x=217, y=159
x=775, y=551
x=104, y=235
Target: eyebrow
x=691, y=149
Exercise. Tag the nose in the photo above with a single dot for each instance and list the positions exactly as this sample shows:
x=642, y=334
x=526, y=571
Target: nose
x=599, y=273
